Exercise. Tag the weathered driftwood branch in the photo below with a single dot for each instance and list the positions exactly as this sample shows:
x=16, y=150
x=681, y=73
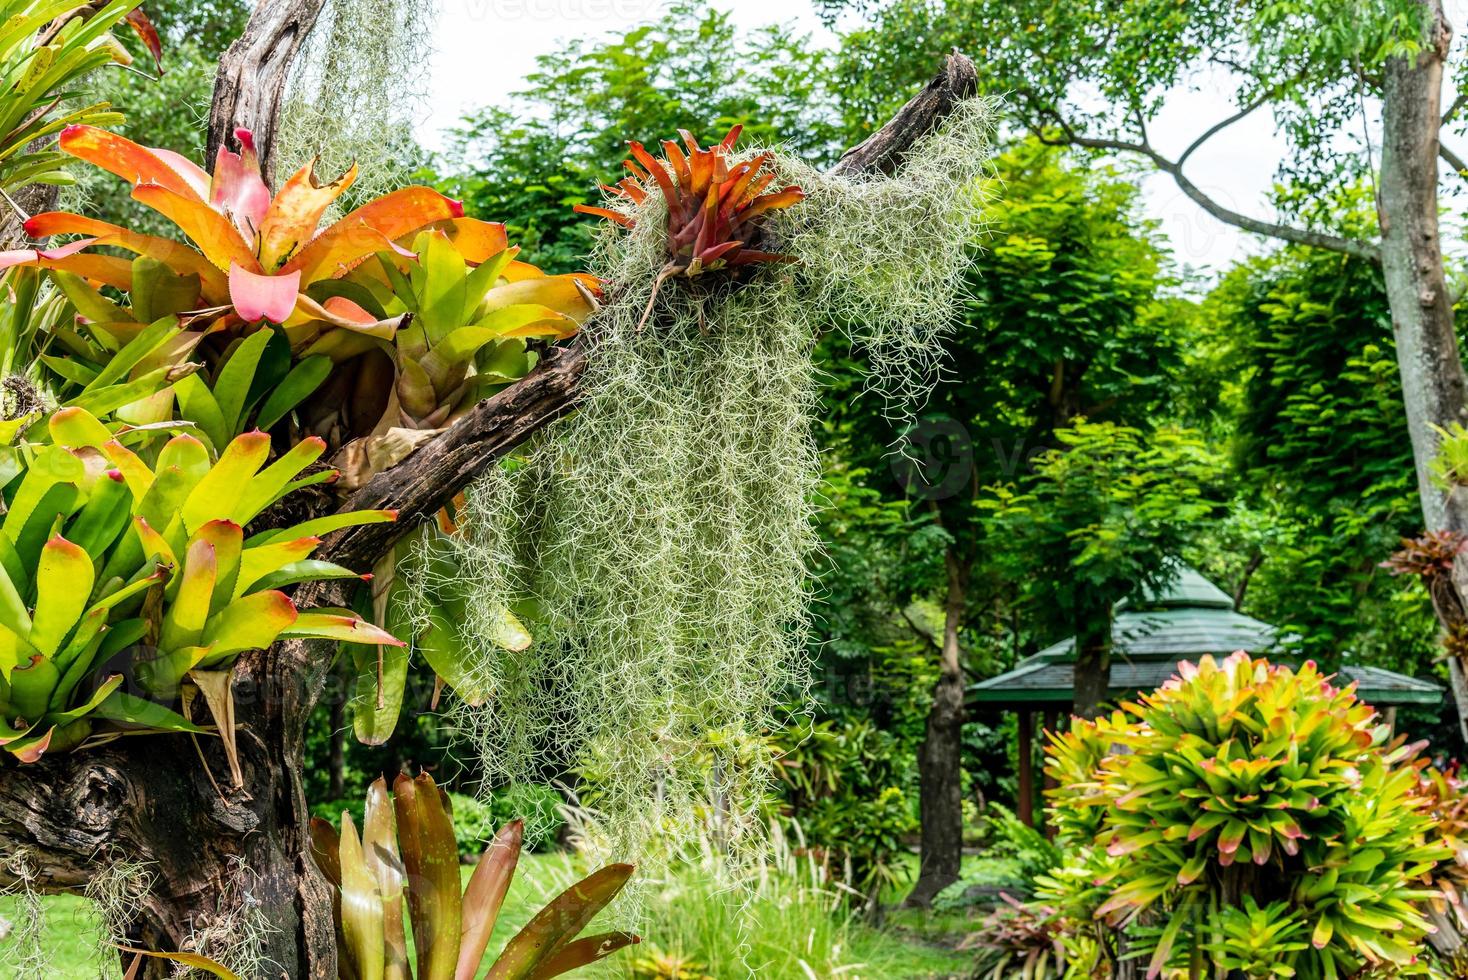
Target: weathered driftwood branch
x=426, y=480
x=882, y=151
x=150, y=799
x=421, y=484
x=253, y=73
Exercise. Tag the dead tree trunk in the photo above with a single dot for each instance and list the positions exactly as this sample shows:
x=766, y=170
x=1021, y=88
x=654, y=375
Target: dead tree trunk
x=149, y=799
x=252, y=76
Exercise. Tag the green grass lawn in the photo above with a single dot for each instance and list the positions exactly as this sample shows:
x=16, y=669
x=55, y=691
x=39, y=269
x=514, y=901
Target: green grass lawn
x=775, y=933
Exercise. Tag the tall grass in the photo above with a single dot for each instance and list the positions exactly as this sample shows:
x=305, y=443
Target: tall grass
x=786, y=919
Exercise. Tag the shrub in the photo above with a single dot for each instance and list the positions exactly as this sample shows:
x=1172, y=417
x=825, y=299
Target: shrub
x=1239, y=807
x=846, y=795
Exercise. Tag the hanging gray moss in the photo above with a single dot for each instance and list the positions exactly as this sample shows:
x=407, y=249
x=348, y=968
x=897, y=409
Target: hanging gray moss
x=657, y=540
x=356, y=90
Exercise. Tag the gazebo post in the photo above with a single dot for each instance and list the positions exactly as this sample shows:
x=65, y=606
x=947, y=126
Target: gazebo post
x=1049, y=722
x=1026, y=804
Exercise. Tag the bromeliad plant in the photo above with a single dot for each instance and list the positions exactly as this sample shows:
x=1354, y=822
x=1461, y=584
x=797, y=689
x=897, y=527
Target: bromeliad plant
x=1245, y=779
x=114, y=571
x=390, y=344
x=461, y=313
x=338, y=296
x=466, y=309
x=407, y=850
x=714, y=207
x=1447, y=802
x=257, y=252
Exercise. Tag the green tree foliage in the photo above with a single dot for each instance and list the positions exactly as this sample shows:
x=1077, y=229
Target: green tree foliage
x=171, y=112
x=1096, y=74
x=1320, y=449
x=527, y=163
x=1068, y=315
x=1096, y=522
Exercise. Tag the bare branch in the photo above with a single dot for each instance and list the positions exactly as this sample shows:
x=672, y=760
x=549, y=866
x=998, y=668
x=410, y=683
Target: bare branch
x=1223, y=124
x=1174, y=168
x=1453, y=160
x=883, y=150
x=1452, y=110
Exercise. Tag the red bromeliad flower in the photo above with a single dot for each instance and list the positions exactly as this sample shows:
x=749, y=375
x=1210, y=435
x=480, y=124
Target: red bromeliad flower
x=257, y=252
x=713, y=208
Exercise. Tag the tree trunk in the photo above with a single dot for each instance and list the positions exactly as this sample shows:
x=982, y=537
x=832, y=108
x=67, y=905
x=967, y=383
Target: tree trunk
x=218, y=862
x=1093, y=661
x=336, y=786
x=1434, y=385
x=251, y=81
x=217, y=856
x=940, y=759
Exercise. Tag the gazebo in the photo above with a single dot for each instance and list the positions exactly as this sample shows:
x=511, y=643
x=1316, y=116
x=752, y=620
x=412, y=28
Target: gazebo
x=1191, y=618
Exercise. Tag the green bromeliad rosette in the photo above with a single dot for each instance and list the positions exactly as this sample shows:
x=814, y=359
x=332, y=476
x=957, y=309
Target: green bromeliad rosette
x=129, y=586
x=1249, y=816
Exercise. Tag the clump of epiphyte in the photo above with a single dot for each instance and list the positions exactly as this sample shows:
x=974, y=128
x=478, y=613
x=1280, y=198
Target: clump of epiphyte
x=713, y=207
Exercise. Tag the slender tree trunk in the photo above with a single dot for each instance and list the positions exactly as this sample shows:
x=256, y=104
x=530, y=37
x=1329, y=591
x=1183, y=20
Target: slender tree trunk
x=1093, y=661
x=940, y=759
x=1434, y=385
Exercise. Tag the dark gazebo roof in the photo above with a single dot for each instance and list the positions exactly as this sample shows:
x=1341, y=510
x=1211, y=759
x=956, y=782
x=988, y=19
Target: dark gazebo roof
x=1191, y=618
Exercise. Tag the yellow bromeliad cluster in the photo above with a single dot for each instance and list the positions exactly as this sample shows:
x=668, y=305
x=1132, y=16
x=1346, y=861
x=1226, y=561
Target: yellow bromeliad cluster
x=1248, y=815
x=258, y=341
x=127, y=585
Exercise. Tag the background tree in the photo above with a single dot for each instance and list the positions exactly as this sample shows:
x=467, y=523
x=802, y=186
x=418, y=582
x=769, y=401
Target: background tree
x=1067, y=316
x=1314, y=67
x=1318, y=445
x=1099, y=520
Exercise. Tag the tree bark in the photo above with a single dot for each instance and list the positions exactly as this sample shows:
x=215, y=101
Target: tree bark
x=336, y=783
x=253, y=73
x=940, y=758
x=32, y=199
x=1434, y=384
x=217, y=853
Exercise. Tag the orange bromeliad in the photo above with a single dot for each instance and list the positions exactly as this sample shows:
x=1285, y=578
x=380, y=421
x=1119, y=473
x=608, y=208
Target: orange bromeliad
x=713, y=207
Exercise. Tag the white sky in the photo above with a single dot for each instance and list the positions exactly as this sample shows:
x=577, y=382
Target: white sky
x=484, y=48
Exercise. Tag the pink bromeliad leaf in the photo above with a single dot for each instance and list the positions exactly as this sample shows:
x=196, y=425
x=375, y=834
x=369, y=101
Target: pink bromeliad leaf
x=237, y=188
x=258, y=297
